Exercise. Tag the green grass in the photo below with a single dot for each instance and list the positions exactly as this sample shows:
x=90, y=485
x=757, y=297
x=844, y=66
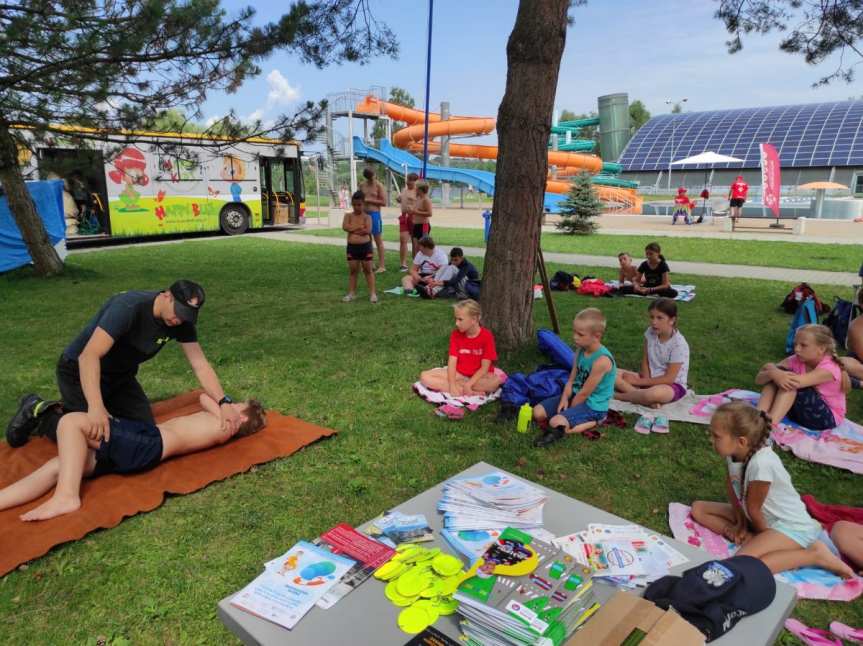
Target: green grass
x=274, y=327
x=757, y=253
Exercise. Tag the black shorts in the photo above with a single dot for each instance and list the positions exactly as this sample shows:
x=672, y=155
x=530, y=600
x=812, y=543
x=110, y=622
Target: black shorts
x=132, y=446
x=362, y=251
x=737, y=202
x=420, y=230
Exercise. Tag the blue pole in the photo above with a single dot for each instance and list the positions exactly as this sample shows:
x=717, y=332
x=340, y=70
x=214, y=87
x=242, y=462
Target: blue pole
x=428, y=91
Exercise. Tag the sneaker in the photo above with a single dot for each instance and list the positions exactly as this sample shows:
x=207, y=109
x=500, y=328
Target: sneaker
x=643, y=425
x=373, y=299
x=548, y=438
x=660, y=424
x=24, y=422
x=348, y=298
x=403, y=268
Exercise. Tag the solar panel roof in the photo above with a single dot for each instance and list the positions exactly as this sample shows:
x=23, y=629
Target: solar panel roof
x=817, y=134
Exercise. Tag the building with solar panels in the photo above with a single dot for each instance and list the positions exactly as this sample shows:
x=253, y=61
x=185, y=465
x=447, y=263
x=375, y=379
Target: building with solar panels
x=818, y=141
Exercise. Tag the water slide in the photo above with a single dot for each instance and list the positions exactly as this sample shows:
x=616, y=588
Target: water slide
x=608, y=189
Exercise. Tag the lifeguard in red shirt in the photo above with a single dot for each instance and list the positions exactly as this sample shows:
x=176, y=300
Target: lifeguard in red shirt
x=470, y=369
x=737, y=196
x=682, y=207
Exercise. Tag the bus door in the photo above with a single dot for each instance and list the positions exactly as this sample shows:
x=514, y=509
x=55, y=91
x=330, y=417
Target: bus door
x=84, y=173
x=276, y=198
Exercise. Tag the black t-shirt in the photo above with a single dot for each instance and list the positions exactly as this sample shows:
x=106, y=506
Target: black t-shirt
x=653, y=277
x=138, y=335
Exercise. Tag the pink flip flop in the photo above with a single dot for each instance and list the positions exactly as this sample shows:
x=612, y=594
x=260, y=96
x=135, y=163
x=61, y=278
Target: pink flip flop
x=849, y=634
x=810, y=636
x=450, y=412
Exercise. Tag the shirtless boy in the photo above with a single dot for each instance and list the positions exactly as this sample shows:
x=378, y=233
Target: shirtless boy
x=129, y=446
x=375, y=197
x=422, y=213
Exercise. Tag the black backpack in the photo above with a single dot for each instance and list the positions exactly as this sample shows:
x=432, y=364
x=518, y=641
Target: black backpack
x=561, y=281
x=840, y=318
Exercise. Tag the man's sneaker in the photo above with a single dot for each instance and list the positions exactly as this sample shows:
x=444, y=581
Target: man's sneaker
x=548, y=438
x=24, y=422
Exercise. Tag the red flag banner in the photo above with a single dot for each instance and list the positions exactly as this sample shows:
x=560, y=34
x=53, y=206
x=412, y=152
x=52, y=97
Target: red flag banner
x=771, y=181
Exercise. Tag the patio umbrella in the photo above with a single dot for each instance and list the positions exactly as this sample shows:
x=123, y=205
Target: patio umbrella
x=708, y=158
x=821, y=189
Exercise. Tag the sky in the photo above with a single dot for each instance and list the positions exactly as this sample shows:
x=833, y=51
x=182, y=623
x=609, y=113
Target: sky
x=654, y=51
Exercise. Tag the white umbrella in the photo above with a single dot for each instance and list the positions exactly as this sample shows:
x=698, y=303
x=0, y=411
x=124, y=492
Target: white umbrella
x=708, y=159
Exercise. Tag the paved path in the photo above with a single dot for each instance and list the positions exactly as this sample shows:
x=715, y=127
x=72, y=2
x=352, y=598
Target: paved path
x=680, y=266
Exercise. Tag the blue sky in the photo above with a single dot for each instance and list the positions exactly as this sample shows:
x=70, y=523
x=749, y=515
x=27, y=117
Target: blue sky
x=652, y=50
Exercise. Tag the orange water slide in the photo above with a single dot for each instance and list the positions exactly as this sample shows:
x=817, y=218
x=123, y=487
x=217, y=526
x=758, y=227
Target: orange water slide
x=411, y=138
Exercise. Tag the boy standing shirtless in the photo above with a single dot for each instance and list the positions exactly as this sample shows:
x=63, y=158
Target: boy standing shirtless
x=422, y=213
x=375, y=198
x=129, y=446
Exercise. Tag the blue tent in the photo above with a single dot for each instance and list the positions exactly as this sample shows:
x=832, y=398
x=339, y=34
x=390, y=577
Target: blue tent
x=48, y=198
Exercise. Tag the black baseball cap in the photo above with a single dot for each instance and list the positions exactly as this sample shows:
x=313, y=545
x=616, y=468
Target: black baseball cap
x=188, y=299
x=717, y=594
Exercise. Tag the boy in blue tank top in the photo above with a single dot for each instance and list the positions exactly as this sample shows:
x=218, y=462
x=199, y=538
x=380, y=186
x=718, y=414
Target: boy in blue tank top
x=590, y=387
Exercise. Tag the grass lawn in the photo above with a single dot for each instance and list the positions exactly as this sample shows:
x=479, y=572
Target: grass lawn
x=794, y=255
x=274, y=327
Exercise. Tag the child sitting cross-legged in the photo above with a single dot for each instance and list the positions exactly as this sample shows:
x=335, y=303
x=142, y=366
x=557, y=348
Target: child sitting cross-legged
x=470, y=369
x=584, y=401
x=764, y=513
x=810, y=385
x=130, y=446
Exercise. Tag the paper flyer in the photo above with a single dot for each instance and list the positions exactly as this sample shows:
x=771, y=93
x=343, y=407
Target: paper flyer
x=292, y=584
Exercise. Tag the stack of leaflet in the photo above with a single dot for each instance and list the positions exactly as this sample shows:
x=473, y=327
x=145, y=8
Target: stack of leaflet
x=627, y=556
x=524, y=591
x=491, y=501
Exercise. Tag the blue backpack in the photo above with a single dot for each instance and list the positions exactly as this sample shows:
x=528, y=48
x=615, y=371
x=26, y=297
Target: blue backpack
x=555, y=349
x=804, y=315
x=545, y=382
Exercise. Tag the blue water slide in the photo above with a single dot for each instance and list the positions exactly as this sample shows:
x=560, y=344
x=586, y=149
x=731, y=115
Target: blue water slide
x=400, y=161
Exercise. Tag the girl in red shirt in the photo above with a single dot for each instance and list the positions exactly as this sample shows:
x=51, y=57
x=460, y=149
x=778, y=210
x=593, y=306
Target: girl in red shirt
x=470, y=369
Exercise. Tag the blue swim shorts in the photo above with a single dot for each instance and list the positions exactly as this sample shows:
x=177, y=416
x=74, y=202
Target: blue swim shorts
x=133, y=446
x=377, y=223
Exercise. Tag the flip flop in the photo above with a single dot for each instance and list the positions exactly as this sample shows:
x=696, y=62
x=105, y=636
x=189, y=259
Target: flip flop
x=643, y=425
x=591, y=434
x=660, y=424
x=450, y=412
x=849, y=634
x=810, y=636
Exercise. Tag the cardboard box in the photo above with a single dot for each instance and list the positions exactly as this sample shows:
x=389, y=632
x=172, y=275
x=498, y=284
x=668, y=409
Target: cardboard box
x=626, y=612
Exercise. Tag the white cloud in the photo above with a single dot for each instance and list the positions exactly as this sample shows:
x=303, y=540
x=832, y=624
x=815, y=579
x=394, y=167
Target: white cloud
x=281, y=92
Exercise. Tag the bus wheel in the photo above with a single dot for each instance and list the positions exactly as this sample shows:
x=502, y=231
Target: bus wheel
x=234, y=219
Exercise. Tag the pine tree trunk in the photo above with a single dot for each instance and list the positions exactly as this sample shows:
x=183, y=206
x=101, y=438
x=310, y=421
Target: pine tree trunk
x=533, y=56
x=45, y=258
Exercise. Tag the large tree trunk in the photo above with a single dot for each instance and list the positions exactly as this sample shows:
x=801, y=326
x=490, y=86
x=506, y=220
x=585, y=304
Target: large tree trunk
x=523, y=127
x=45, y=258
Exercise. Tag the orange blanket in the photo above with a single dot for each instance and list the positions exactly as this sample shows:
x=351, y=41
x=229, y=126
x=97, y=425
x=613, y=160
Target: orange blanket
x=108, y=499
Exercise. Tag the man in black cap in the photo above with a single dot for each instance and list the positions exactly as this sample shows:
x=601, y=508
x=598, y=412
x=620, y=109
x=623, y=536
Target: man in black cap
x=97, y=372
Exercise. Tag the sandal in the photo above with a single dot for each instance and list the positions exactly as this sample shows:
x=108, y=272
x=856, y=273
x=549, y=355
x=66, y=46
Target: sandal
x=660, y=424
x=643, y=425
x=450, y=412
x=810, y=636
x=849, y=634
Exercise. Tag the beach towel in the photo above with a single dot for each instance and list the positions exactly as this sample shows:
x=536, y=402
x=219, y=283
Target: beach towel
x=446, y=402
x=680, y=411
x=840, y=447
x=811, y=583
x=685, y=293
x=109, y=499
x=828, y=515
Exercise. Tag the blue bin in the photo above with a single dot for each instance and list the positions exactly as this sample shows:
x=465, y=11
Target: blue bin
x=486, y=215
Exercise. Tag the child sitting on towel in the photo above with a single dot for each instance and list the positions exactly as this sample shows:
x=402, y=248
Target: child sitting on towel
x=809, y=386
x=628, y=272
x=654, y=275
x=130, y=446
x=470, y=369
x=764, y=513
x=584, y=401
x=664, y=361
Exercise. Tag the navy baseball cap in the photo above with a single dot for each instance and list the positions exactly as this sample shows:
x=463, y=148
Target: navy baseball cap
x=717, y=594
x=188, y=300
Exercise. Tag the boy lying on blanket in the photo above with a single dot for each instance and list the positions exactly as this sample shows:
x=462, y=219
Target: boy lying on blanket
x=130, y=446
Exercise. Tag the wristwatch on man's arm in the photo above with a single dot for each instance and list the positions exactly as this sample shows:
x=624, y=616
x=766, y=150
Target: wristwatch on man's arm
x=226, y=400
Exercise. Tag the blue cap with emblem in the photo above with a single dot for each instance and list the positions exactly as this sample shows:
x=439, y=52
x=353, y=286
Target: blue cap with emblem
x=715, y=595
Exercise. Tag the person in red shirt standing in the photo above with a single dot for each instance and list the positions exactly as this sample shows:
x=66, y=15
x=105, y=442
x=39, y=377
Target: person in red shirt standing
x=737, y=196
x=682, y=207
x=470, y=369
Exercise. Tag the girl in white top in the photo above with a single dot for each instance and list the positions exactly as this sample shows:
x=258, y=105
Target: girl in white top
x=764, y=515
x=664, y=363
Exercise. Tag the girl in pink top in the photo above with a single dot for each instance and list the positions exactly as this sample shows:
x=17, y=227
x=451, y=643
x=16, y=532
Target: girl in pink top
x=809, y=386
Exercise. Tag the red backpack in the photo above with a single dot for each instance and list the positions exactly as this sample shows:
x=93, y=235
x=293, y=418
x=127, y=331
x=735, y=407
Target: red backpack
x=800, y=294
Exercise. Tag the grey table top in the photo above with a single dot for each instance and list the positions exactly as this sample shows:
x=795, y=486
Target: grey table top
x=365, y=616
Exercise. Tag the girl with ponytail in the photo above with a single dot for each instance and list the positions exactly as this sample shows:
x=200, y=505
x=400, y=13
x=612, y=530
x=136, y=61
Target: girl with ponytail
x=764, y=515
x=809, y=386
